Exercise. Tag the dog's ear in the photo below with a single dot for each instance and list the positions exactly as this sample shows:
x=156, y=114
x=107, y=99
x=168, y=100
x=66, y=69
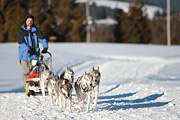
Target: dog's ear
x=71, y=68
x=57, y=73
x=93, y=68
x=98, y=69
x=85, y=73
x=44, y=69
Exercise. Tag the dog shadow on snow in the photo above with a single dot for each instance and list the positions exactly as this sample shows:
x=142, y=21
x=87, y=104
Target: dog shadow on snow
x=129, y=104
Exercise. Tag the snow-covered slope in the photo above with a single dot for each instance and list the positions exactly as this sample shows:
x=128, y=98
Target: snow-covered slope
x=150, y=9
x=138, y=82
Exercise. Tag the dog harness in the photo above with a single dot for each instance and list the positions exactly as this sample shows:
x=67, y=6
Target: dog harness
x=85, y=89
x=62, y=91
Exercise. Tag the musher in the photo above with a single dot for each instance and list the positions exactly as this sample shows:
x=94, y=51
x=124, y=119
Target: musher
x=28, y=39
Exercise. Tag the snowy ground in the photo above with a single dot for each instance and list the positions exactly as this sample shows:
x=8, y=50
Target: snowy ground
x=139, y=82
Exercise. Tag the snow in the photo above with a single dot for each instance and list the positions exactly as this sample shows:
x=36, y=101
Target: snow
x=150, y=9
x=107, y=21
x=137, y=82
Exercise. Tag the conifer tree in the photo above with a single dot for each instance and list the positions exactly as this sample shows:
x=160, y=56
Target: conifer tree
x=3, y=37
x=11, y=19
x=69, y=18
x=48, y=27
x=137, y=25
x=77, y=32
x=37, y=9
x=175, y=39
x=119, y=27
x=158, y=30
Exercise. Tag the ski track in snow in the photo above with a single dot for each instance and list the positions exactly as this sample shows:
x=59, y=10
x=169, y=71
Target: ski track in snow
x=131, y=88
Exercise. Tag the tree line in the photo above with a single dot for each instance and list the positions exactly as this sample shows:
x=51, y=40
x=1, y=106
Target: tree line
x=65, y=21
x=61, y=20
x=135, y=27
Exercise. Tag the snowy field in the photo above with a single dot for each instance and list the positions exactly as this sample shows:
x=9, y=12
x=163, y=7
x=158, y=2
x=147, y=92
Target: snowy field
x=138, y=82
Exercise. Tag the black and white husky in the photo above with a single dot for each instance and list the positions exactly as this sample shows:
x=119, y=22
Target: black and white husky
x=96, y=75
x=63, y=88
x=51, y=85
x=83, y=87
x=63, y=91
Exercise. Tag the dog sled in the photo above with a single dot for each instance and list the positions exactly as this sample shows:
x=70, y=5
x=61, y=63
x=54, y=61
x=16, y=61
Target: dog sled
x=35, y=67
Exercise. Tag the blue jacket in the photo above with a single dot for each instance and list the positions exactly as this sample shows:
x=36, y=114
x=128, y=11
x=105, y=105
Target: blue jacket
x=30, y=40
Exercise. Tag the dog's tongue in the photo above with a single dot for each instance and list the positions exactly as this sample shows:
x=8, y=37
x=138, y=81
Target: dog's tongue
x=69, y=98
x=70, y=79
x=89, y=88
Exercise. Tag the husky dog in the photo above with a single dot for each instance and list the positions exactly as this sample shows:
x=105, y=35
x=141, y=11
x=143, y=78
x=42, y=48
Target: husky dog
x=51, y=85
x=63, y=90
x=44, y=76
x=68, y=74
x=96, y=75
x=83, y=86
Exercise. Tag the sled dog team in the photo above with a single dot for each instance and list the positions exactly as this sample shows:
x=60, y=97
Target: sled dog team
x=62, y=87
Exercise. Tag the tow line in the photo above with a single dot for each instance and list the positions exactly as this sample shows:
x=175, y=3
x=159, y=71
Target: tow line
x=76, y=102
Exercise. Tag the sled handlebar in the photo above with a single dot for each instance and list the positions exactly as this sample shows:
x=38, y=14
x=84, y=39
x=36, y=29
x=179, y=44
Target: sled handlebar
x=50, y=58
x=45, y=53
x=41, y=58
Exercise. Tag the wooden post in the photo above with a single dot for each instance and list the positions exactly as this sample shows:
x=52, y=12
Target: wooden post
x=87, y=22
x=168, y=24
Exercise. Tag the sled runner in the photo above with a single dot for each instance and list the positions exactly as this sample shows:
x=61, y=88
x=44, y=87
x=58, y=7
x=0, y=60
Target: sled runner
x=35, y=67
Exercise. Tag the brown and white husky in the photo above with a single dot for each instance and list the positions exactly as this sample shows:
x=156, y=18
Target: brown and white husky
x=44, y=76
x=83, y=87
x=96, y=75
x=51, y=86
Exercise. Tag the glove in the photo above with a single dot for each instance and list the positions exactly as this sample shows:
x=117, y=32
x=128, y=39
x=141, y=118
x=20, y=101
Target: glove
x=31, y=51
x=44, y=50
